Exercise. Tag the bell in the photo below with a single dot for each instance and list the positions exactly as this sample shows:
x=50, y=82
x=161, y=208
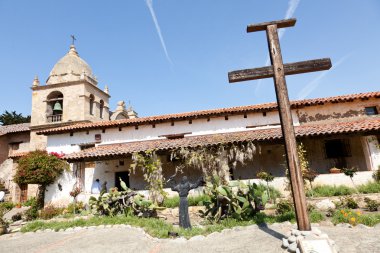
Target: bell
x=57, y=107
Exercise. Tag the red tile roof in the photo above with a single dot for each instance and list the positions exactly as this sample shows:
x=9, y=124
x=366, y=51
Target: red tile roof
x=206, y=113
x=117, y=150
x=16, y=128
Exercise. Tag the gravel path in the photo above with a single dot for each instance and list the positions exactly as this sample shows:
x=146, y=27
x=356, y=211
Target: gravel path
x=126, y=239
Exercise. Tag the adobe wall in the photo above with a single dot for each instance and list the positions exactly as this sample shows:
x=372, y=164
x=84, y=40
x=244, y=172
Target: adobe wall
x=336, y=111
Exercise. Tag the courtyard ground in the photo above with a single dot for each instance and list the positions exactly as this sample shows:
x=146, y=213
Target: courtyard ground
x=121, y=238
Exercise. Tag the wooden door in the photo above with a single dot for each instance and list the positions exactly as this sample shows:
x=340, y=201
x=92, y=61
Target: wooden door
x=24, y=193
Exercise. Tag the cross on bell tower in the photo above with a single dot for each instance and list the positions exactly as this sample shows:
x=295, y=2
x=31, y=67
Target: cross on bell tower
x=278, y=70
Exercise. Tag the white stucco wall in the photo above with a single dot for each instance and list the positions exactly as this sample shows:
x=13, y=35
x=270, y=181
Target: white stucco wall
x=67, y=144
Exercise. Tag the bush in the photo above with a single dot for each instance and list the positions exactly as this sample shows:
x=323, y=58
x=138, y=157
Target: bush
x=5, y=207
x=193, y=201
x=78, y=207
x=226, y=202
x=274, y=193
x=50, y=212
x=284, y=206
x=354, y=218
x=329, y=191
x=376, y=175
x=32, y=212
x=16, y=217
x=30, y=202
x=371, y=204
x=347, y=202
x=370, y=187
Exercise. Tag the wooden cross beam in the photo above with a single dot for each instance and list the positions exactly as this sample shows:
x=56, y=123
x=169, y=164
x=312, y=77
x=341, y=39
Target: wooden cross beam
x=278, y=70
x=289, y=69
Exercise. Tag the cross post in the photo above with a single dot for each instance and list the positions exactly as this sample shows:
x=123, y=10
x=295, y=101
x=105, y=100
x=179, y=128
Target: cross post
x=278, y=70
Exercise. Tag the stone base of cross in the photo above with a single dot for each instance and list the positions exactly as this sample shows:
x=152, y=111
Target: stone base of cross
x=278, y=70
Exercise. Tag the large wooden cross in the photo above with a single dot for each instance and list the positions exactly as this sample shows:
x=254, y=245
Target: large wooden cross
x=278, y=70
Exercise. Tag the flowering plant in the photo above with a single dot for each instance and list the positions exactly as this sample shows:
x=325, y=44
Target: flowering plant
x=56, y=154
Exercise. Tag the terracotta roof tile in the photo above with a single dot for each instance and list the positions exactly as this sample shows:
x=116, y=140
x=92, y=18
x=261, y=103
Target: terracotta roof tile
x=206, y=113
x=16, y=128
x=113, y=150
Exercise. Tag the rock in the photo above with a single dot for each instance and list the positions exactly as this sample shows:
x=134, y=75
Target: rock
x=22, y=210
x=305, y=233
x=341, y=224
x=298, y=250
x=377, y=226
x=197, y=238
x=286, y=223
x=292, y=239
x=213, y=234
x=363, y=226
x=325, y=205
x=15, y=230
x=61, y=230
x=108, y=226
x=77, y=228
x=292, y=247
x=324, y=236
x=69, y=229
x=180, y=240
x=315, y=224
x=299, y=238
x=285, y=243
x=48, y=230
x=39, y=231
x=275, y=224
x=295, y=232
x=316, y=231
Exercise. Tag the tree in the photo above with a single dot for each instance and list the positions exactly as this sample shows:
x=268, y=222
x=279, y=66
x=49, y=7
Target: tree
x=39, y=167
x=10, y=118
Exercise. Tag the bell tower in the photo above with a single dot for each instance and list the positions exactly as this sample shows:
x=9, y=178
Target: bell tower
x=71, y=95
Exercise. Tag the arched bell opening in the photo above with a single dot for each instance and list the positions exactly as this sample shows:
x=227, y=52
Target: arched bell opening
x=54, y=106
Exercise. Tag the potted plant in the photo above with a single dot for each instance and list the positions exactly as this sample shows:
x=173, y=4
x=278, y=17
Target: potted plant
x=335, y=170
x=3, y=226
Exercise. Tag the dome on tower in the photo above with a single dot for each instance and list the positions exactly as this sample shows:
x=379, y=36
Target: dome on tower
x=71, y=68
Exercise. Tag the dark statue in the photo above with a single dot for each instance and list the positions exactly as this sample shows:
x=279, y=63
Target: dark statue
x=183, y=189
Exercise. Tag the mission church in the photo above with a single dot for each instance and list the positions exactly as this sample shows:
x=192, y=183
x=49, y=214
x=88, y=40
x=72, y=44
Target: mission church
x=71, y=115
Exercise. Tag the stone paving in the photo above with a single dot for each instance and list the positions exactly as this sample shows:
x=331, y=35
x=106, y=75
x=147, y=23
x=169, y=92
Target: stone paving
x=123, y=238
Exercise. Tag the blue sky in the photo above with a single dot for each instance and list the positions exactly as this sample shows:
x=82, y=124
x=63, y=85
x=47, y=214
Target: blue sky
x=185, y=66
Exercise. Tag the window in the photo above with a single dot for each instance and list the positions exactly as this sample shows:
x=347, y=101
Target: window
x=101, y=106
x=337, y=148
x=92, y=101
x=372, y=110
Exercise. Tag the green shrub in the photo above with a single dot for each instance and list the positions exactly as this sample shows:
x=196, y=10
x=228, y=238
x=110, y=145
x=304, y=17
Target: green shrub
x=78, y=207
x=370, y=187
x=32, y=212
x=50, y=212
x=226, y=202
x=274, y=193
x=329, y=191
x=284, y=206
x=16, y=217
x=122, y=202
x=316, y=216
x=30, y=202
x=371, y=204
x=351, y=203
x=355, y=217
x=376, y=175
x=5, y=207
x=193, y=201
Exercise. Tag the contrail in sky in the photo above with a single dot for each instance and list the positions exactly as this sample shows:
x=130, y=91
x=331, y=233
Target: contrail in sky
x=292, y=7
x=310, y=87
x=149, y=3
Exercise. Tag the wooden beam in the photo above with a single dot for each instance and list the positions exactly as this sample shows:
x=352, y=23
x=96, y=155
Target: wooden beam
x=287, y=128
x=289, y=68
x=263, y=26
